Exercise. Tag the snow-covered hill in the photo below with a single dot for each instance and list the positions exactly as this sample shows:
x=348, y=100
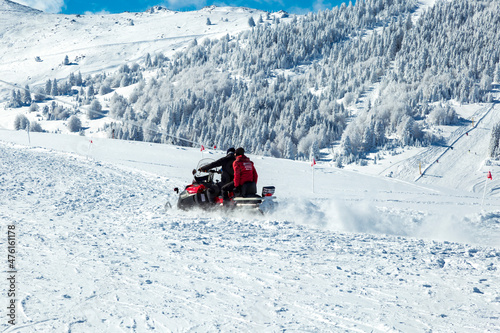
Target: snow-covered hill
x=97, y=252
x=100, y=42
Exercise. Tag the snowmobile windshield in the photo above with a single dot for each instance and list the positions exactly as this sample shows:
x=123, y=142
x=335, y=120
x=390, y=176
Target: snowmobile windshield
x=206, y=177
x=201, y=164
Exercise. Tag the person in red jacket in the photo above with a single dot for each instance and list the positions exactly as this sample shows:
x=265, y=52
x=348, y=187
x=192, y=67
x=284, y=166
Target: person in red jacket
x=245, y=175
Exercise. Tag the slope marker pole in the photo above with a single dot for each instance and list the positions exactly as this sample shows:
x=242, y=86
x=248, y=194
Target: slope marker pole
x=28, y=131
x=90, y=146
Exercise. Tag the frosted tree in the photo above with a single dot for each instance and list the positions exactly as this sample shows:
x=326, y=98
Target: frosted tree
x=90, y=92
x=496, y=75
x=314, y=151
x=409, y=131
x=35, y=127
x=15, y=99
x=368, y=139
x=78, y=79
x=48, y=87
x=125, y=81
x=54, y=91
x=485, y=82
x=26, y=96
x=494, y=147
x=208, y=21
x=94, y=110
x=105, y=89
x=74, y=124
x=21, y=122
x=72, y=79
x=251, y=22
x=34, y=107
x=147, y=61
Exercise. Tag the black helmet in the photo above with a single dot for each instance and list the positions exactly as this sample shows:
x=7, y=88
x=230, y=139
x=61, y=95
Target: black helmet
x=240, y=151
x=231, y=150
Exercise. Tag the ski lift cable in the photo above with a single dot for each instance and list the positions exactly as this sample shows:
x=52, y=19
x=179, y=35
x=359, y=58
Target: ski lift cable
x=86, y=108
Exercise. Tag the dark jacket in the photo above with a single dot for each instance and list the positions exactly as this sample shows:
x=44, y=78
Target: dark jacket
x=244, y=171
x=226, y=163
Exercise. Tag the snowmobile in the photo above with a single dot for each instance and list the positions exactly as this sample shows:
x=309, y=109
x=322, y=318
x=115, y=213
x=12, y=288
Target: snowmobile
x=204, y=192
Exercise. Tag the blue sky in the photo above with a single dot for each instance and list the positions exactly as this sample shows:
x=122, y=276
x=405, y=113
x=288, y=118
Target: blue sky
x=118, y=6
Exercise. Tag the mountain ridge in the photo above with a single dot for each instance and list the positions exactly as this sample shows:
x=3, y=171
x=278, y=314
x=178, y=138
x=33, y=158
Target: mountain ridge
x=11, y=6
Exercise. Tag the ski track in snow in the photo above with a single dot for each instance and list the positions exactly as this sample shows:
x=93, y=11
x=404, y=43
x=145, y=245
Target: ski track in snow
x=97, y=253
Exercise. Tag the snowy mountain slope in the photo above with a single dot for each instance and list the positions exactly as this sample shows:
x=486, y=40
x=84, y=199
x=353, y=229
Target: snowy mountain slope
x=97, y=43
x=98, y=253
x=8, y=6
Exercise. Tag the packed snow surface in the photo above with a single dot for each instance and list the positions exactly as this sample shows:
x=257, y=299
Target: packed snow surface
x=97, y=251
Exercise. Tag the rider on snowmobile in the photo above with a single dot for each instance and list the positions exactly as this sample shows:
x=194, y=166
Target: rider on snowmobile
x=245, y=175
x=227, y=177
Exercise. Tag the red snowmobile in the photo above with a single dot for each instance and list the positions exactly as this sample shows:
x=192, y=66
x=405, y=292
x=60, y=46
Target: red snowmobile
x=205, y=193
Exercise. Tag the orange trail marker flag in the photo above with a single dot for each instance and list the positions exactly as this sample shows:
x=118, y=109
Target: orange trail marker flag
x=490, y=177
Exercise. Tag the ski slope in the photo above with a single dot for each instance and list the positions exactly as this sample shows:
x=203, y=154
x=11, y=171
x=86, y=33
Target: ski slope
x=97, y=252
x=461, y=162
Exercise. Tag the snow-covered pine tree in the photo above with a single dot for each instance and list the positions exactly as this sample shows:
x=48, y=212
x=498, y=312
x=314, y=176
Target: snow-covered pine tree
x=26, y=96
x=90, y=92
x=15, y=99
x=21, y=122
x=251, y=22
x=54, y=91
x=494, y=147
x=496, y=75
x=48, y=87
x=79, y=80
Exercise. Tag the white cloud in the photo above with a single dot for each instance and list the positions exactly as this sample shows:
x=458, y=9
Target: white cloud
x=101, y=12
x=298, y=10
x=176, y=4
x=320, y=5
x=48, y=6
x=316, y=6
